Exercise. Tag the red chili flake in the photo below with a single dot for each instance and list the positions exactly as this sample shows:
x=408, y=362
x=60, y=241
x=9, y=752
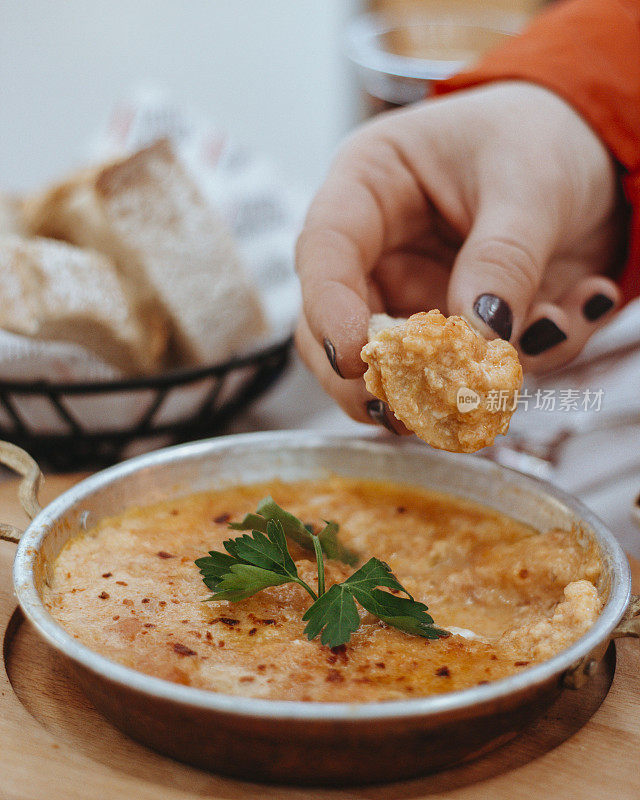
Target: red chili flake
x=262, y=621
x=253, y=631
x=222, y=518
x=103, y=596
x=261, y=667
x=221, y=643
x=117, y=616
x=381, y=665
x=162, y=603
x=104, y=574
x=209, y=636
x=482, y=683
x=443, y=672
x=494, y=657
x=184, y=621
x=520, y=663
x=334, y=676
x=145, y=600
x=164, y=554
x=401, y=510
x=247, y=679
x=182, y=650
x=122, y=583
x=524, y=573
x=149, y=625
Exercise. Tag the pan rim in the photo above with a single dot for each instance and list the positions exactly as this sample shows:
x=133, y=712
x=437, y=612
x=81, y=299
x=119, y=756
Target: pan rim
x=293, y=710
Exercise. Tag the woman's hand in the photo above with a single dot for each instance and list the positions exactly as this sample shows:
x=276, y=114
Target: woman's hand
x=495, y=203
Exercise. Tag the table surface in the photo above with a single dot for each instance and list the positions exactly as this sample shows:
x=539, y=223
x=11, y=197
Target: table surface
x=585, y=747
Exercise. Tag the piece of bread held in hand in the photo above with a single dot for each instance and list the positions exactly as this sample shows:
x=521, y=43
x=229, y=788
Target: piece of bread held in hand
x=448, y=384
x=147, y=214
x=53, y=291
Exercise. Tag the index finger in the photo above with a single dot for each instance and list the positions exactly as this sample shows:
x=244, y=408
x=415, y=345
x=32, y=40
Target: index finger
x=340, y=243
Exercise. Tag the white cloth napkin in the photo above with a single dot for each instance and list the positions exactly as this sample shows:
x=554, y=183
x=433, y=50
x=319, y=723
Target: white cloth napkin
x=589, y=441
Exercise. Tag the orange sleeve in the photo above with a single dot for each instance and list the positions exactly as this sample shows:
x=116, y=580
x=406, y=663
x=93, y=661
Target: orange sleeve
x=588, y=52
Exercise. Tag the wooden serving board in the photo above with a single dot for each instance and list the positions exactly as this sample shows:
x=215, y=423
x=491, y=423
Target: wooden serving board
x=53, y=743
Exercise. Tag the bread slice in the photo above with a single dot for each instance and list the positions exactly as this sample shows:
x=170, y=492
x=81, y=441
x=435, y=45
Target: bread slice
x=52, y=291
x=11, y=215
x=147, y=214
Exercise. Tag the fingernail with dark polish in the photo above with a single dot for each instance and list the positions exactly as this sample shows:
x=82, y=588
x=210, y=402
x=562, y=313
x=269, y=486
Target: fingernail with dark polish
x=378, y=412
x=330, y=350
x=597, y=306
x=542, y=335
x=496, y=313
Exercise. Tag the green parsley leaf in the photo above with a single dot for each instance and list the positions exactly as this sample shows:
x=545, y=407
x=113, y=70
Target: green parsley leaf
x=213, y=567
x=251, y=522
x=252, y=563
x=336, y=615
x=296, y=530
x=244, y=581
x=404, y=613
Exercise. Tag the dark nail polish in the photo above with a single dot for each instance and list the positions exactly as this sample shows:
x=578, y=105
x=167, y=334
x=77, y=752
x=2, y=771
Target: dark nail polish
x=542, y=335
x=330, y=350
x=378, y=411
x=496, y=313
x=597, y=306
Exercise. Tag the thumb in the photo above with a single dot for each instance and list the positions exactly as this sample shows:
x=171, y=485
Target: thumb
x=499, y=270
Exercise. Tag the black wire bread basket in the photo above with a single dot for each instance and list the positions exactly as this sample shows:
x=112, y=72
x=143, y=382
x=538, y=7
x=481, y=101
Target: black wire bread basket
x=169, y=408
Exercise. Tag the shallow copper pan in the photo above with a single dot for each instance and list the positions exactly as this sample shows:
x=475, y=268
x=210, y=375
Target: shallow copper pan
x=300, y=742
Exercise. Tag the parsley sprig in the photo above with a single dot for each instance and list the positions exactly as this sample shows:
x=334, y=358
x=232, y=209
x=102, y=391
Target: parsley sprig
x=297, y=531
x=254, y=561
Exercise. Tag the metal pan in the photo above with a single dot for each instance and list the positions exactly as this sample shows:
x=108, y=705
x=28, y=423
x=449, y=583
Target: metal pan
x=304, y=742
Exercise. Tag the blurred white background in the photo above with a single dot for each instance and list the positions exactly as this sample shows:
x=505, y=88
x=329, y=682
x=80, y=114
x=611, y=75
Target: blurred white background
x=272, y=73
x=269, y=71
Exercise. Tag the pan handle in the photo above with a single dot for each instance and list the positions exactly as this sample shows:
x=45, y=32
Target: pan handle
x=629, y=625
x=21, y=462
